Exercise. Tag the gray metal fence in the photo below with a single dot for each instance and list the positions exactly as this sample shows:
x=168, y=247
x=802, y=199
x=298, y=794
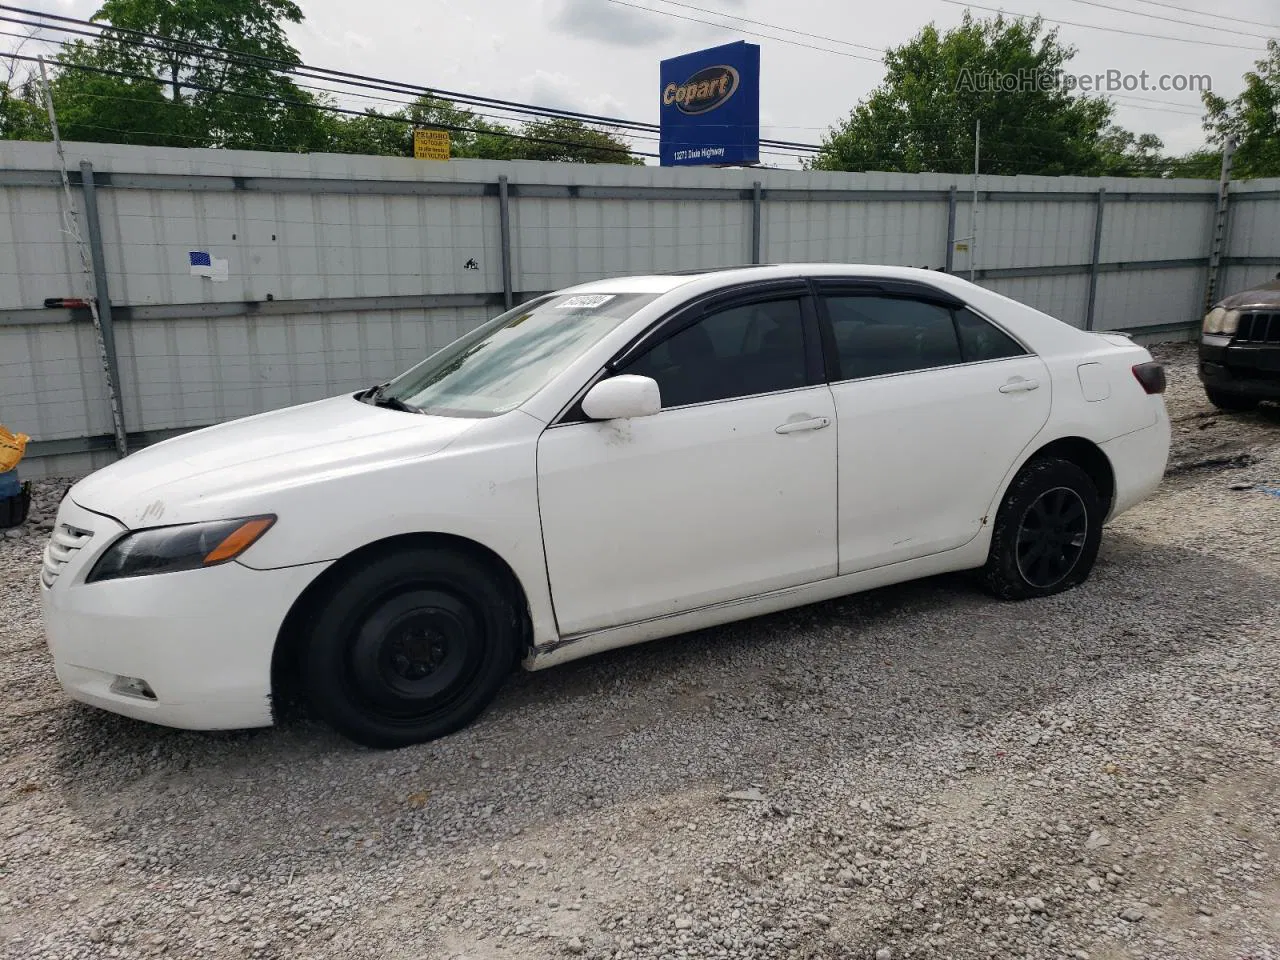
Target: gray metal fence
x=342, y=271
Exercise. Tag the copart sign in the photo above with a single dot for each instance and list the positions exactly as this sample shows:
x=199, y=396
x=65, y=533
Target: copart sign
x=711, y=107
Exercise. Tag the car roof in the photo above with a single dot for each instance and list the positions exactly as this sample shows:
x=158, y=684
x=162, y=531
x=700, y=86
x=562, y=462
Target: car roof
x=717, y=276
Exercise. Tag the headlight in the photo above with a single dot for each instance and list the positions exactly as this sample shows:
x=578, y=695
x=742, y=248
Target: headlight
x=1231, y=322
x=1213, y=320
x=185, y=547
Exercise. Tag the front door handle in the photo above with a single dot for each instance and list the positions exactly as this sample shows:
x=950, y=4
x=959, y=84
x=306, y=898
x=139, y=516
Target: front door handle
x=796, y=426
x=1020, y=385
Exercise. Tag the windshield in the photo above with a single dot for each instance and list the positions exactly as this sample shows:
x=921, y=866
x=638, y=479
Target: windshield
x=504, y=362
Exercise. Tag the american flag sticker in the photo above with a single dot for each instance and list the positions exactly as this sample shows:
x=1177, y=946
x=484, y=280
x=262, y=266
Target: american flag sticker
x=201, y=263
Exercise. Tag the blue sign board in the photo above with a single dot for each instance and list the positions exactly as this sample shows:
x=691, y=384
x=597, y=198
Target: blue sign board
x=711, y=107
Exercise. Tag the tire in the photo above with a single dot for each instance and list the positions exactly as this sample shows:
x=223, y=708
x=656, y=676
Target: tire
x=1047, y=532
x=410, y=647
x=1231, y=402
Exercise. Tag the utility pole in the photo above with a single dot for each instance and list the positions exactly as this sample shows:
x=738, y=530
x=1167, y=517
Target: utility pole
x=972, y=238
x=72, y=228
x=973, y=210
x=1219, y=240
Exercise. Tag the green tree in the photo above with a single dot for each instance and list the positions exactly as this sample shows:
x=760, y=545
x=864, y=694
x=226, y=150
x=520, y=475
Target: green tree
x=570, y=140
x=1198, y=164
x=175, y=91
x=1001, y=72
x=372, y=133
x=100, y=107
x=391, y=135
x=1252, y=118
x=1124, y=154
x=22, y=114
x=477, y=137
x=469, y=135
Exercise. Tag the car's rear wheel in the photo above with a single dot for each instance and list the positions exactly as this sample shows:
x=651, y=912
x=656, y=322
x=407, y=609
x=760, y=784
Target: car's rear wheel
x=1230, y=402
x=1047, y=532
x=411, y=646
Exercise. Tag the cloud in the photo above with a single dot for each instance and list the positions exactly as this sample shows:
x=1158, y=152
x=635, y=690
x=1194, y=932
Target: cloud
x=607, y=22
x=557, y=90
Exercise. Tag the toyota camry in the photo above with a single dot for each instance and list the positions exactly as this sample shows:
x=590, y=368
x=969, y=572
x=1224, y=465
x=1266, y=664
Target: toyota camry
x=619, y=461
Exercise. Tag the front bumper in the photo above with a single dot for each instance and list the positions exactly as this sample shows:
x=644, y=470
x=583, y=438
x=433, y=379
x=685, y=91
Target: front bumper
x=1250, y=370
x=201, y=640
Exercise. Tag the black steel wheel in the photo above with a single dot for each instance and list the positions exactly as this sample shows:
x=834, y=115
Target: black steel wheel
x=1047, y=532
x=1051, y=537
x=412, y=646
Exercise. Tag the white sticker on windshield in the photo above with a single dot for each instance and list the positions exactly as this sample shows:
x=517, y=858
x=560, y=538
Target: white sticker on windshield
x=585, y=301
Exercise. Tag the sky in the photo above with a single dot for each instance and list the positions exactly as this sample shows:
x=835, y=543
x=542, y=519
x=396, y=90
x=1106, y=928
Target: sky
x=602, y=56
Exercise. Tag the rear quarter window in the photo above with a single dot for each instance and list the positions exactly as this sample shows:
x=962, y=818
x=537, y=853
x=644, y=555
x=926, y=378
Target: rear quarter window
x=981, y=340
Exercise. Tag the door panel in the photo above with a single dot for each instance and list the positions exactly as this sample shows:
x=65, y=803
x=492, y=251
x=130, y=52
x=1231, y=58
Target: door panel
x=934, y=404
x=693, y=506
x=923, y=453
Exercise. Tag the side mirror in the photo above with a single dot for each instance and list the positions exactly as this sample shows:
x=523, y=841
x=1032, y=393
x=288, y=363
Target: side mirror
x=622, y=397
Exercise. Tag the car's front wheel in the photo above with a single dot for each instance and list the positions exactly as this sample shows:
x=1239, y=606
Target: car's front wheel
x=411, y=646
x=1231, y=402
x=1047, y=532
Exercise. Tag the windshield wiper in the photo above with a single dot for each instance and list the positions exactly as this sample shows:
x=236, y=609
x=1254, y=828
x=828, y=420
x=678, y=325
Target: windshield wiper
x=375, y=396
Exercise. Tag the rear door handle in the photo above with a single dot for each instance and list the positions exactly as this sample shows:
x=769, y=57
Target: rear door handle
x=796, y=426
x=1020, y=385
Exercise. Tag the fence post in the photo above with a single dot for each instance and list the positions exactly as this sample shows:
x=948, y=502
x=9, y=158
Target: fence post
x=1097, y=254
x=504, y=225
x=951, y=229
x=103, y=296
x=755, y=221
x=1218, y=241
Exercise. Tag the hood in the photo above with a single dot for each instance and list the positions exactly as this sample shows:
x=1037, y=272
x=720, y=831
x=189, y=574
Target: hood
x=1263, y=295
x=216, y=472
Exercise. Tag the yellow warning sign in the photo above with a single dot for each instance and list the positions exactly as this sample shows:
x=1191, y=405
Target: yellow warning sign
x=431, y=144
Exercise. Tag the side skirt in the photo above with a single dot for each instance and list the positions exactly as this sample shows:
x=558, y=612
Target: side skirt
x=970, y=556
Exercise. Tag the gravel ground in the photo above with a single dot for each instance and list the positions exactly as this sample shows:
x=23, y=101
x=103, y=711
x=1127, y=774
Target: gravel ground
x=914, y=772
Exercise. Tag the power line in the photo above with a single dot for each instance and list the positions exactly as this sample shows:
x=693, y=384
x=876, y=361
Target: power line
x=1180, y=113
x=354, y=79
x=320, y=89
x=322, y=107
x=1138, y=106
x=784, y=148
x=280, y=101
x=207, y=52
x=1215, y=15
x=753, y=33
x=1155, y=16
x=771, y=26
x=241, y=144
x=1094, y=26
x=647, y=135
x=1130, y=96
x=1167, y=106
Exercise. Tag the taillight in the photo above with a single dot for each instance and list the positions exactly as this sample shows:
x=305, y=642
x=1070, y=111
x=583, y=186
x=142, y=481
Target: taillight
x=1151, y=376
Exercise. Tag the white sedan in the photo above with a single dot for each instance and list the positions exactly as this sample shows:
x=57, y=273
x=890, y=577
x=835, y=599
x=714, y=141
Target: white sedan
x=623, y=460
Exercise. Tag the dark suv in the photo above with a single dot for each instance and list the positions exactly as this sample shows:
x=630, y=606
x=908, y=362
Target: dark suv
x=1240, y=348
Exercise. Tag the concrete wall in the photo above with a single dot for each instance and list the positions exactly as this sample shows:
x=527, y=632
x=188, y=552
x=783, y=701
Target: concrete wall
x=345, y=270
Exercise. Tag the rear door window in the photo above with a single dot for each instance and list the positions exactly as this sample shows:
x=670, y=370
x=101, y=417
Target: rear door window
x=875, y=336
